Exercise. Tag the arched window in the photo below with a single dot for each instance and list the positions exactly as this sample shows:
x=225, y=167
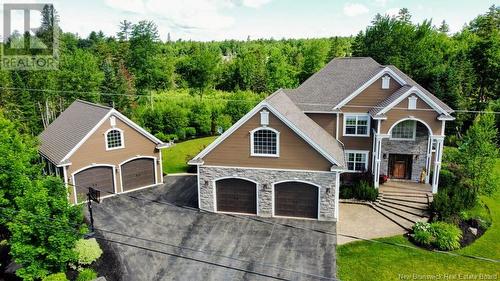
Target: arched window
x=405, y=130
x=265, y=142
x=114, y=139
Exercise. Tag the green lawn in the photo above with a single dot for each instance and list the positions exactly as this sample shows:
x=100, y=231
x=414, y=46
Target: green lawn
x=375, y=261
x=175, y=158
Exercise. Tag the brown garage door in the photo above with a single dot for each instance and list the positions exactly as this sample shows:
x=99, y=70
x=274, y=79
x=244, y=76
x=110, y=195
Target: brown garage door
x=138, y=173
x=100, y=178
x=296, y=199
x=236, y=195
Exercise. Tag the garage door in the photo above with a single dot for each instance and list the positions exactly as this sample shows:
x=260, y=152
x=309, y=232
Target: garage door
x=236, y=195
x=100, y=178
x=138, y=173
x=296, y=199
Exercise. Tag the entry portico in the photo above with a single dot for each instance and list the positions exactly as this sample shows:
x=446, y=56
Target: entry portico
x=408, y=138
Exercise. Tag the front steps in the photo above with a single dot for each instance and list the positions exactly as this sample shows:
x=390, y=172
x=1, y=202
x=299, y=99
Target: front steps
x=403, y=207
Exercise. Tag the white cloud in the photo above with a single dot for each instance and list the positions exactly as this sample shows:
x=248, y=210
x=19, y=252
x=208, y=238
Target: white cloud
x=381, y=3
x=355, y=9
x=392, y=12
x=135, y=6
x=190, y=14
x=255, y=3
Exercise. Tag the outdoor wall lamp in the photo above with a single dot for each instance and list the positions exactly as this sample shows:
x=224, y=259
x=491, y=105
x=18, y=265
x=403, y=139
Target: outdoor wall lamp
x=385, y=156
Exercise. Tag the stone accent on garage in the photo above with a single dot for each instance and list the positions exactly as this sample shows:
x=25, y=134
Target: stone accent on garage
x=265, y=178
x=417, y=148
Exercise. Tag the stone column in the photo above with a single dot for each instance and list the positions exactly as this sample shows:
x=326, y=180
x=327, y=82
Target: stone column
x=437, y=163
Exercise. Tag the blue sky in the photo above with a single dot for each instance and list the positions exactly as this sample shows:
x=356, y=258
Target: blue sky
x=237, y=19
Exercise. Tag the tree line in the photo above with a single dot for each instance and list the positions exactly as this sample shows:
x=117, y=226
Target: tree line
x=133, y=70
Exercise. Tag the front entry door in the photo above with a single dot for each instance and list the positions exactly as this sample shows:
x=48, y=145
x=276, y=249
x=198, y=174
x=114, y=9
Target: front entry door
x=400, y=166
x=399, y=171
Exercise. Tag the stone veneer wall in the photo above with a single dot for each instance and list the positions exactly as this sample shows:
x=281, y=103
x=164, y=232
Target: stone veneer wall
x=416, y=147
x=265, y=178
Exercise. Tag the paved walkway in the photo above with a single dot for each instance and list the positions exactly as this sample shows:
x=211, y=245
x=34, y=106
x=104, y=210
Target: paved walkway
x=363, y=221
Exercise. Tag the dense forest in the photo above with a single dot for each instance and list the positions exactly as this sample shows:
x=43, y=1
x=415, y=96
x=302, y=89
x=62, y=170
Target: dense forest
x=184, y=89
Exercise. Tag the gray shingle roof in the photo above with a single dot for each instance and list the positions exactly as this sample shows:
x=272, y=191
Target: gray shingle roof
x=340, y=78
x=411, y=82
x=374, y=111
x=333, y=83
x=62, y=135
x=284, y=105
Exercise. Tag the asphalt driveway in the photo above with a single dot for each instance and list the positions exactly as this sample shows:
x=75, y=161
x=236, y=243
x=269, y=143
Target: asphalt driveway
x=153, y=240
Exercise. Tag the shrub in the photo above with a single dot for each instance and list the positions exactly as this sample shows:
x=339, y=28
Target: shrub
x=86, y=275
x=479, y=214
x=364, y=191
x=87, y=251
x=447, y=236
x=190, y=132
x=56, y=277
x=423, y=233
x=451, y=200
x=345, y=192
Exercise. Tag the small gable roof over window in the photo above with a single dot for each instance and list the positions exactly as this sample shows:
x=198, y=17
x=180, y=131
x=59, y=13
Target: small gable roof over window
x=59, y=140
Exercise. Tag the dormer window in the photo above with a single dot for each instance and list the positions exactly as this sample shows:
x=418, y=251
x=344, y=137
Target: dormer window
x=386, y=82
x=264, y=142
x=114, y=139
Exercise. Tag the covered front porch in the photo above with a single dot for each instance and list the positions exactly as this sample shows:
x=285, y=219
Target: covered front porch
x=409, y=154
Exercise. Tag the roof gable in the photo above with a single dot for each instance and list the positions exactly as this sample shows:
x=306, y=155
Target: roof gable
x=399, y=96
x=287, y=112
x=74, y=126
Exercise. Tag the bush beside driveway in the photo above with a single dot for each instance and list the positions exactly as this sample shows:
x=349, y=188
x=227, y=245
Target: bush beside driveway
x=170, y=227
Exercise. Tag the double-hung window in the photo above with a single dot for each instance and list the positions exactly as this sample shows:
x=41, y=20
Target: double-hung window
x=356, y=125
x=405, y=130
x=357, y=161
x=264, y=142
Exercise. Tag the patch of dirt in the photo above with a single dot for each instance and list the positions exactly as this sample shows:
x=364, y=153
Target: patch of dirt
x=468, y=236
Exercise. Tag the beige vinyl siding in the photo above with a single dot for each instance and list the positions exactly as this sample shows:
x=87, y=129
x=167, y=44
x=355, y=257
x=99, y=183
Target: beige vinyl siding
x=295, y=153
x=327, y=121
x=400, y=111
x=93, y=150
x=371, y=96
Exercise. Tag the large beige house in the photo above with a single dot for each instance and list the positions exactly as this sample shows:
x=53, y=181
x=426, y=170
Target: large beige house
x=96, y=146
x=286, y=156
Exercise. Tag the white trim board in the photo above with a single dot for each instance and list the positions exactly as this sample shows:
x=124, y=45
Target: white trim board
x=372, y=80
x=123, y=118
x=276, y=113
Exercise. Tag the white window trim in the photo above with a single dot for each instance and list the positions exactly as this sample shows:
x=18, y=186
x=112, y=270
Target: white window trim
x=403, y=139
x=121, y=136
x=277, y=142
x=367, y=154
x=356, y=115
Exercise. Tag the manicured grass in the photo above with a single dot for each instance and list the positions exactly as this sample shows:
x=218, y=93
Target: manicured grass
x=175, y=158
x=375, y=261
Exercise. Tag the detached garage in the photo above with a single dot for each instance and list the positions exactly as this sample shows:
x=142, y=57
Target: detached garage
x=91, y=145
x=296, y=199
